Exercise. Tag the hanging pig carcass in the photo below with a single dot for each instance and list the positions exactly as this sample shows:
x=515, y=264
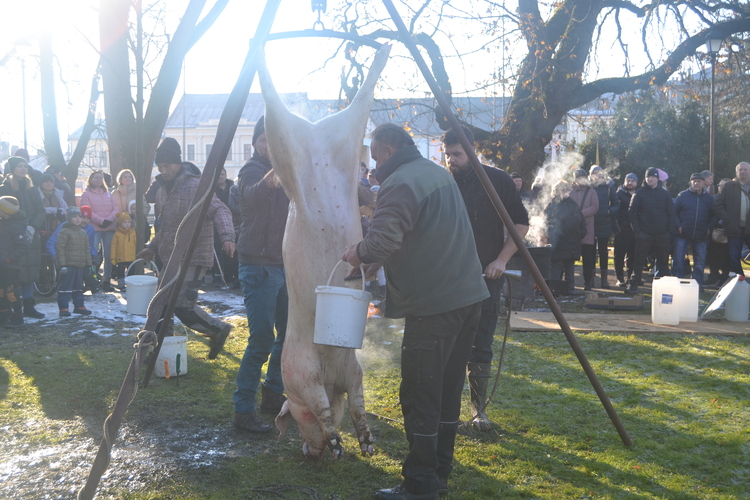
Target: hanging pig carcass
x=318, y=164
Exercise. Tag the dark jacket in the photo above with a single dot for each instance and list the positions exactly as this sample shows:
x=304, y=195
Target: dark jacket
x=264, y=211
x=488, y=228
x=234, y=207
x=32, y=206
x=609, y=206
x=564, y=229
x=652, y=211
x=694, y=214
x=421, y=232
x=73, y=247
x=623, y=213
x=728, y=205
x=13, y=242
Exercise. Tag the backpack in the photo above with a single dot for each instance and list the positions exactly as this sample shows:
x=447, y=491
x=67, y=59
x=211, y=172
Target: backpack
x=581, y=218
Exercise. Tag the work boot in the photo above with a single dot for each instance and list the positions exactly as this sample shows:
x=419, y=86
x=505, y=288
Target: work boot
x=30, y=311
x=250, y=422
x=16, y=320
x=588, y=284
x=216, y=341
x=479, y=377
x=270, y=402
x=605, y=283
x=106, y=285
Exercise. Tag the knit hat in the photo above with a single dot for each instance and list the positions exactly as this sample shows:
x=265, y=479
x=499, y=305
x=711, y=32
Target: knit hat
x=12, y=163
x=652, y=172
x=260, y=127
x=46, y=178
x=123, y=216
x=579, y=172
x=131, y=204
x=631, y=175
x=86, y=211
x=52, y=169
x=73, y=212
x=707, y=173
x=697, y=175
x=9, y=205
x=168, y=152
x=594, y=168
x=516, y=175
x=23, y=153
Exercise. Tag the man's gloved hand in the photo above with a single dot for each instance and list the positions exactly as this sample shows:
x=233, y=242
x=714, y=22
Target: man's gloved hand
x=92, y=270
x=30, y=233
x=63, y=271
x=106, y=223
x=61, y=216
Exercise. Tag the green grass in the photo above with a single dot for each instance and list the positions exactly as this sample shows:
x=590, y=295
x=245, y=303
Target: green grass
x=683, y=400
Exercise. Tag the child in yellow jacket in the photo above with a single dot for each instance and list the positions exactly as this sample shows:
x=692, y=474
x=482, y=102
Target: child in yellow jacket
x=122, y=251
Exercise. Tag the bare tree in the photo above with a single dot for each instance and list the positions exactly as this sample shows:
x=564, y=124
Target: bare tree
x=561, y=41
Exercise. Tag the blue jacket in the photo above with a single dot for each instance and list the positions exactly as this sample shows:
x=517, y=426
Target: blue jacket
x=52, y=241
x=695, y=214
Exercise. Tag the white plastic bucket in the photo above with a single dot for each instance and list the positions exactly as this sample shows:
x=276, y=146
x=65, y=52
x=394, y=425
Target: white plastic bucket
x=140, y=289
x=665, y=309
x=171, y=348
x=737, y=304
x=341, y=314
x=688, y=300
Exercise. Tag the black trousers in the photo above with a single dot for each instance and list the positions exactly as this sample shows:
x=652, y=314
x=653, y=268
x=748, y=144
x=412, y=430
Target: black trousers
x=434, y=354
x=482, y=350
x=588, y=256
x=624, y=253
x=645, y=243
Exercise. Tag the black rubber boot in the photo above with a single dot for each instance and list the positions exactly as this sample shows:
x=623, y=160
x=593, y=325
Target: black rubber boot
x=270, y=402
x=605, y=283
x=29, y=309
x=479, y=378
x=16, y=318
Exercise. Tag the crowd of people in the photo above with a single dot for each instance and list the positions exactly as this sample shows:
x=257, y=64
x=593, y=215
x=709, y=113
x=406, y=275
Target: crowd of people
x=433, y=233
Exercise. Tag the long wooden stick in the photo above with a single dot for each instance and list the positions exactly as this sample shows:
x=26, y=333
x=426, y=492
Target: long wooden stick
x=407, y=40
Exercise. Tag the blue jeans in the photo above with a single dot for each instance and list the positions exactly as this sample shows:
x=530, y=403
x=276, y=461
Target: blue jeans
x=699, y=257
x=267, y=304
x=106, y=239
x=735, y=250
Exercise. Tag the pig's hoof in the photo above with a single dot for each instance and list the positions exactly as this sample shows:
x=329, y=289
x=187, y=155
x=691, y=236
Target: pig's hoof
x=366, y=444
x=334, y=443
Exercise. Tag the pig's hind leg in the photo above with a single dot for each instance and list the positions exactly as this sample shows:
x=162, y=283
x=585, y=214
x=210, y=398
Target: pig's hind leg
x=357, y=411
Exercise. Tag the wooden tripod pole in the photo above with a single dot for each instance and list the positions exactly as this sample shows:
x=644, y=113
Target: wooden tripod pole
x=407, y=40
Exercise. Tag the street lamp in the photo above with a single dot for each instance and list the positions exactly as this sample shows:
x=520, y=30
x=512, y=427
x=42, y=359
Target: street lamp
x=713, y=45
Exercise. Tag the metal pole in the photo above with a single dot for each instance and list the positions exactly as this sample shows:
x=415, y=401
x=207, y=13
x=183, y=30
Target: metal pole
x=407, y=40
x=711, y=119
x=23, y=84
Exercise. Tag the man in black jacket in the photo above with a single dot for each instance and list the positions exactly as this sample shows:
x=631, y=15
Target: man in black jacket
x=625, y=239
x=733, y=208
x=264, y=207
x=694, y=211
x=494, y=252
x=653, y=221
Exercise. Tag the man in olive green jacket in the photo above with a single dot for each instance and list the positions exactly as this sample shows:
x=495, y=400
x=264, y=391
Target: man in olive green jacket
x=421, y=232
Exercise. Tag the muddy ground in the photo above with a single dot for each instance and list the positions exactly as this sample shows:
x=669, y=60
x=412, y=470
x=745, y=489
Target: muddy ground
x=148, y=451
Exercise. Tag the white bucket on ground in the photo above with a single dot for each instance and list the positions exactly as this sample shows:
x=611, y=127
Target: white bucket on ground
x=688, y=300
x=172, y=347
x=140, y=289
x=665, y=308
x=341, y=314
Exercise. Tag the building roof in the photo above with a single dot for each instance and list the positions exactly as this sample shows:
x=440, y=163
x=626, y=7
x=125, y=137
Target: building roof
x=418, y=114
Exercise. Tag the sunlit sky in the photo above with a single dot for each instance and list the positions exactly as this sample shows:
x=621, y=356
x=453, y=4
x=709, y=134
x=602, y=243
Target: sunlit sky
x=212, y=66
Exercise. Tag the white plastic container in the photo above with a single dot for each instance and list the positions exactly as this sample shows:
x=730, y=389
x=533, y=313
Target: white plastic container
x=341, y=314
x=737, y=304
x=171, y=348
x=689, y=300
x=665, y=309
x=140, y=289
